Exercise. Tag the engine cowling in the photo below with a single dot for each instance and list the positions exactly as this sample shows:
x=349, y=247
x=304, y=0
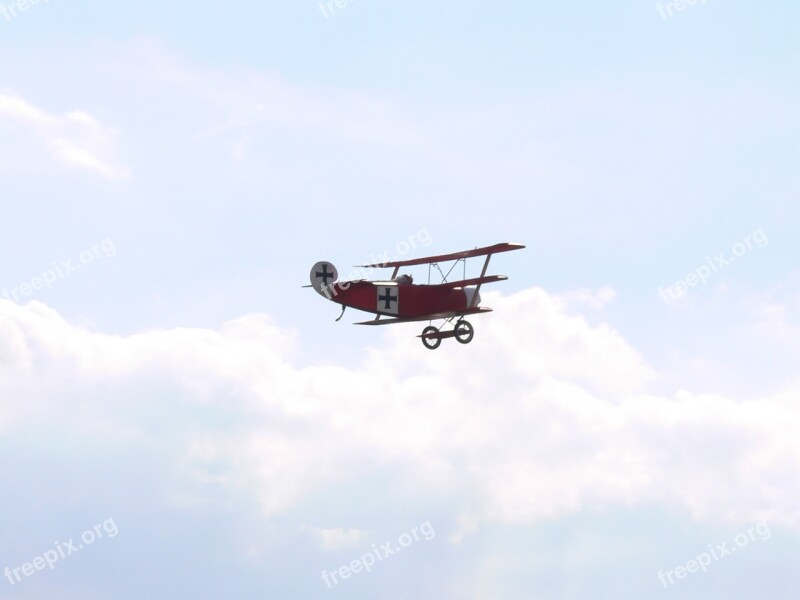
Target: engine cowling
x=473, y=297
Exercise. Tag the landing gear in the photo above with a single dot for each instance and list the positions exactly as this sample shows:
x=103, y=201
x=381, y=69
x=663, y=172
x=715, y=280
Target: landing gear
x=431, y=343
x=462, y=331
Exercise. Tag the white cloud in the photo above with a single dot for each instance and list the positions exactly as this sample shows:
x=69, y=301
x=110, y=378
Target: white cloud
x=593, y=299
x=75, y=139
x=18, y=109
x=336, y=538
x=541, y=416
x=773, y=312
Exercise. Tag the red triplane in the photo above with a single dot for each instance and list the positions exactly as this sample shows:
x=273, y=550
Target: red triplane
x=403, y=301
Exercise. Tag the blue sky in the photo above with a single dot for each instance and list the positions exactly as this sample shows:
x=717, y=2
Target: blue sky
x=170, y=173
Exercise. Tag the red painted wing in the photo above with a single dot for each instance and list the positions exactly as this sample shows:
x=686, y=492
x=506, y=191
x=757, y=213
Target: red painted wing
x=473, y=281
x=433, y=317
x=505, y=247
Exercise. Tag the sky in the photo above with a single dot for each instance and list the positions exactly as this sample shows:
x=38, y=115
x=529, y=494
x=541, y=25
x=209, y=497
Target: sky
x=180, y=418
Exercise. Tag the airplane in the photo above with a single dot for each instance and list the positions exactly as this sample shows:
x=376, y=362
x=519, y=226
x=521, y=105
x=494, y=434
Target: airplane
x=400, y=300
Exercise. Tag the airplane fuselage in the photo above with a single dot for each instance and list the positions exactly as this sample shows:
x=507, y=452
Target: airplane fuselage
x=400, y=300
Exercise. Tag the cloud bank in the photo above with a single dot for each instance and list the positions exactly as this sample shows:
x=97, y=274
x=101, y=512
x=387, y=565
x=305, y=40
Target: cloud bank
x=543, y=415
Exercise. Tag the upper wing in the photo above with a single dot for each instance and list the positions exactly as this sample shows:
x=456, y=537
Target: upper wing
x=505, y=247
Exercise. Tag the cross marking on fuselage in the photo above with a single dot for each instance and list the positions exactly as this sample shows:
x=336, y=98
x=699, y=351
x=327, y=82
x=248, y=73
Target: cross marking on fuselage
x=388, y=298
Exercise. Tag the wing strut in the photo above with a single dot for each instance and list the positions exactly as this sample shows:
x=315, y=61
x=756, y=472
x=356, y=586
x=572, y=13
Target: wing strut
x=478, y=288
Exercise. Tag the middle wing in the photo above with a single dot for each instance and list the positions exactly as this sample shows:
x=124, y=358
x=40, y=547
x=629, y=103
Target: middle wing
x=473, y=281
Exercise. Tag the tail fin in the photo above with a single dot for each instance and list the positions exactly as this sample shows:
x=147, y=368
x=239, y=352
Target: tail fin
x=323, y=275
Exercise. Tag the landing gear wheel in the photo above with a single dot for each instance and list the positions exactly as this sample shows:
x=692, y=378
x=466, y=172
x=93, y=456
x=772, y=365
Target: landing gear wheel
x=464, y=331
x=431, y=343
